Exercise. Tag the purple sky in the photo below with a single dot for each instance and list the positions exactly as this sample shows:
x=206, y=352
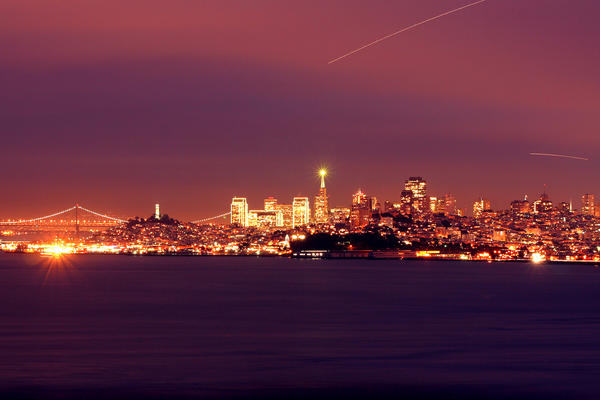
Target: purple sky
x=118, y=105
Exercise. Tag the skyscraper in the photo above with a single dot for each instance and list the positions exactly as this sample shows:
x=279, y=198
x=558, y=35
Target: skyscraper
x=587, y=204
x=418, y=187
x=239, y=211
x=287, y=212
x=157, y=211
x=322, y=202
x=360, y=210
x=520, y=206
x=270, y=203
x=433, y=206
x=301, y=211
x=482, y=205
x=543, y=204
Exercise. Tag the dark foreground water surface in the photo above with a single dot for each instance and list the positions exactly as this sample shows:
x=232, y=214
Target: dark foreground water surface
x=207, y=327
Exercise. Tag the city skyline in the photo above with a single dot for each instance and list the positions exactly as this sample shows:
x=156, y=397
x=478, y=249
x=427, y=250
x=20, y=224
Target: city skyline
x=167, y=105
x=428, y=198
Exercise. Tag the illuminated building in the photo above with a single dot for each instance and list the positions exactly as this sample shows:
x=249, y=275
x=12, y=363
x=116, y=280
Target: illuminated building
x=418, y=187
x=392, y=206
x=499, y=235
x=239, y=211
x=433, y=206
x=361, y=210
x=157, y=211
x=480, y=206
x=520, y=206
x=587, y=204
x=339, y=215
x=301, y=211
x=322, y=202
x=564, y=207
x=440, y=206
x=270, y=203
x=542, y=205
x=375, y=205
x=406, y=200
x=287, y=212
x=265, y=218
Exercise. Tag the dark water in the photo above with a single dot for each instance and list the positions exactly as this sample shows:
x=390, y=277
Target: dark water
x=194, y=327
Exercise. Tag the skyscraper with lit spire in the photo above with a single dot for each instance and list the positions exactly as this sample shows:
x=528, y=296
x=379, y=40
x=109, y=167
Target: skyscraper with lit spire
x=322, y=201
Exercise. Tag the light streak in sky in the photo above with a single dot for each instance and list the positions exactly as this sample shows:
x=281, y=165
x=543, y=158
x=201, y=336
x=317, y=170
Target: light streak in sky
x=558, y=156
x=404, y=30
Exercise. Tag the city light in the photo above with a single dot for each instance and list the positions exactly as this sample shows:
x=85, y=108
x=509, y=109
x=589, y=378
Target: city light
x=417, y=224
x=537, y=258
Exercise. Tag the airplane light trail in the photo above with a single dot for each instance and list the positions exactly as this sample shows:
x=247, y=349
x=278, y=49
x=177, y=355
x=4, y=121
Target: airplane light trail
x=558, y=156
x=405, y=29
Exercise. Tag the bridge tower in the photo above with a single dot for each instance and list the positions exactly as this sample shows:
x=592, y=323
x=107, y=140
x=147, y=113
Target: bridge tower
x=77, y=219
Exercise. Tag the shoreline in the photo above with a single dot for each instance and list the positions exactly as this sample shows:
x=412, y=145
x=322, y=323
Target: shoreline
x=308, y=257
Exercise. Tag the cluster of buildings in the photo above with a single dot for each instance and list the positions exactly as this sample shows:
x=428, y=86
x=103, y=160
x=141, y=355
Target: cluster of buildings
x=413, y=201
x=416, y=223
x=526, y=227
x=288, y=216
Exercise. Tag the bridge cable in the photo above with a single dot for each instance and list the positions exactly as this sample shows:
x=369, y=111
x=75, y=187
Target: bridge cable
x=23, y=221
x=208, y=219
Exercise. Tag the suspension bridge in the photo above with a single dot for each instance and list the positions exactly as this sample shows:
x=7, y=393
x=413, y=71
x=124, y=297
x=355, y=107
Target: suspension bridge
x=79, y=217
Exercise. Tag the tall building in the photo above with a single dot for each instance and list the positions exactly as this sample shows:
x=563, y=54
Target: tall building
x=360, y=210
x=543, y=204
x=375, y=205
x=587, y=204
x=239, y=211
x=157, y=211
x=322, y=202
x=418, y=187
x=433, y=206
x=520, y=206
x=480, y=206
x=270, y=203
x=287, y=213
x=301, y=212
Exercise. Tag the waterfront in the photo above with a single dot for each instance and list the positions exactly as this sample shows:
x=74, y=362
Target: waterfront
x=178, y=327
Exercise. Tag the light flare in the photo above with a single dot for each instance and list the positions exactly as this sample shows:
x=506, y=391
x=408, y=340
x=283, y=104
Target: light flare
x=537, y=258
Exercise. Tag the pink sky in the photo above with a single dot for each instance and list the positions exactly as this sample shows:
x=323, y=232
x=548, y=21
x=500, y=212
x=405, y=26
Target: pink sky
x=118, y=106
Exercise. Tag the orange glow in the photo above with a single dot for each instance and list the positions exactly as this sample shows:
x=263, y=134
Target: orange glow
x=537, y=258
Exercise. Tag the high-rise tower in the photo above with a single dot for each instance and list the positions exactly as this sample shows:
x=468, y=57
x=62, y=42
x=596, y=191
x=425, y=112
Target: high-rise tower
x=270, y=203
x=301, y=211
x=587, y=204
x=360, y=210
x=239, y=211
x=482, y=205
x=322, y=201
x=418, y=187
